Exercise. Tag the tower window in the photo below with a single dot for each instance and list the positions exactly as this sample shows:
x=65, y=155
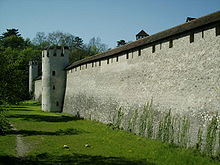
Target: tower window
x=139, y=52
x=92, y=64
x=62, y=54
x=202, y=34
x=217, y=30
x=86, y=66
x=57, y=103
x=171, y=44
x=108, y=61
x=48, y=54
x=53, y=87
x=55, y=54
x=100, y=63
x=191, y=38
x=53, y=73
x=127, y=55
x=153, y=49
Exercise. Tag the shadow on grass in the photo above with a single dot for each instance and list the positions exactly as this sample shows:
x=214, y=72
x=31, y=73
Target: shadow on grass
x=69, y=131
x=40, y=118
x=20, y=109
x=71, y=159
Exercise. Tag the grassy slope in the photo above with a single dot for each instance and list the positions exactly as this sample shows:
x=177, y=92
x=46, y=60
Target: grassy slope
x=46, y=133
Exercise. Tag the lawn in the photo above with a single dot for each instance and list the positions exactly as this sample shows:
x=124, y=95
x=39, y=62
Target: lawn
x=88, y=142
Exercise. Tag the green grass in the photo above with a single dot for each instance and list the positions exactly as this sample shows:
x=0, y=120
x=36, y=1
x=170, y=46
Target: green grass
x=46, y=133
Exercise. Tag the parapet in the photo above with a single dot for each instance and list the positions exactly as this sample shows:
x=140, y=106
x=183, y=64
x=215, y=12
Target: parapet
x=56, y=47
x=33, y=62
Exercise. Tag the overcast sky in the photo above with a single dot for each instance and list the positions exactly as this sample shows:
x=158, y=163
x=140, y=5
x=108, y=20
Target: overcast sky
x=111, y=20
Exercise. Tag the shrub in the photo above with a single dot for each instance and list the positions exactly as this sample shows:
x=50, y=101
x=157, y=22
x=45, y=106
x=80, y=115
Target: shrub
x=4, y=123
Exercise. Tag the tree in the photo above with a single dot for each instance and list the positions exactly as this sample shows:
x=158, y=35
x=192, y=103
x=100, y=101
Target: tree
x=12, y=39
x=121, y=43
x=78, y=42
x=95, y=46
x=10, y=32
x=40, y=40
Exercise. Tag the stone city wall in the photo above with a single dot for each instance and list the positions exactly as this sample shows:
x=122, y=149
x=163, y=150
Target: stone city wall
x=168, y=89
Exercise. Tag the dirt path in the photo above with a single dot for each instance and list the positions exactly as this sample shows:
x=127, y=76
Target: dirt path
x=21, y=147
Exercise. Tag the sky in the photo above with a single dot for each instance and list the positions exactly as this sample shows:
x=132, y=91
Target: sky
x=111, y=20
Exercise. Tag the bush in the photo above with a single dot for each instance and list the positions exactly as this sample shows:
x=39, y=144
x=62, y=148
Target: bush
x=4, y=123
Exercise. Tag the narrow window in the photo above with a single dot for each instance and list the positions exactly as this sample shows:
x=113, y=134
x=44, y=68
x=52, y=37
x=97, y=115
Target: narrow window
x=48, y=54
x=191, y=38
x=62, y=54
x=160, y=46
x=92, y=64
x=127, y=55
x=202, y=34
x=53, y=87
x=117, y=59
x=108, y=61
x=139, y=52
x=153, y=49
x=57, y=103
x=80, y=67
x=86, y=66
x=171, y=44
x=217, y=30
x=53, y=73
x=100, y=63
x=55, y=54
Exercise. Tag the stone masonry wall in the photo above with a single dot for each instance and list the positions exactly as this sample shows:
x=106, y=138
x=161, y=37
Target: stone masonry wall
x=175, y=88
x=38, y=90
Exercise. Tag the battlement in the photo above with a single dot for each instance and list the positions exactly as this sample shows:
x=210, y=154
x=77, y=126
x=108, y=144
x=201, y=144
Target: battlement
x=55, y=51
x=33, y=62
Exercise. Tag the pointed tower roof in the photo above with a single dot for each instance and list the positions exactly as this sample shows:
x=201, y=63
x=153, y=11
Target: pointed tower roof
x=142, y=33
x=189, y=19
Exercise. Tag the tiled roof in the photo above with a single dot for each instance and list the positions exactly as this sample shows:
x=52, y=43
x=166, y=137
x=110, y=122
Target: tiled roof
x=142, y=33
x=196, y=23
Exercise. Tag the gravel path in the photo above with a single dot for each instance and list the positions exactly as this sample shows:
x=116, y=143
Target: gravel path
x=21, y=148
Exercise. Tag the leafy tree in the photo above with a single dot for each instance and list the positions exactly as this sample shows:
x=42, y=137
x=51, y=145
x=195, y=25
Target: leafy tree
x=13, y=41
x=121, y=43
x=78, y=42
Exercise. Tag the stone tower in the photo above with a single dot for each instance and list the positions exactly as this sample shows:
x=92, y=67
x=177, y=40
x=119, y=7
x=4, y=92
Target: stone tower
x=54, y=60
x=33, y=73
